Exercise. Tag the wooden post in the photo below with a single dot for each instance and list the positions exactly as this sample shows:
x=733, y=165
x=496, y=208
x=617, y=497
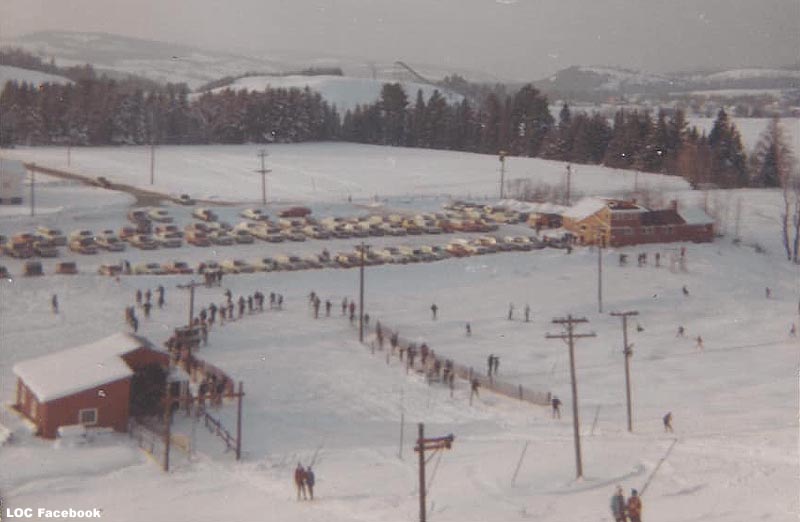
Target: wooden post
x=402, y=429
x=33, y=185
x=239, y=422
x=361, y=297
x=627, y=352
x=421, y=448
x=519, y=463
x=599, y=275
x=167, y=426
x=570, y=337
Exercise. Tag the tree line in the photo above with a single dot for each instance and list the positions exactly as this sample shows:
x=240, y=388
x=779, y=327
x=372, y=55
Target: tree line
x=101, y=111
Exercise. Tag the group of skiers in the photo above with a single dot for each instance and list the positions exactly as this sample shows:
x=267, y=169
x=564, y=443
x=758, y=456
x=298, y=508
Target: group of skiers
x=493, y=363
x=304, y=480
x=624, y=511
x=143, y=301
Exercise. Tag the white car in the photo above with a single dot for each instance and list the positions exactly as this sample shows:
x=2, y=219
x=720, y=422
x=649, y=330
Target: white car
x=237, y=266
x=110, y=243
x=81, y=234
x=170, y=239
x=160, y=215
x=254, y=213
x=204, y=214
x=149, y=269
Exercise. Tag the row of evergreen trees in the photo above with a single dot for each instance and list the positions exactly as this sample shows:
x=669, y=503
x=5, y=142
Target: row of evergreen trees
x=100, y=111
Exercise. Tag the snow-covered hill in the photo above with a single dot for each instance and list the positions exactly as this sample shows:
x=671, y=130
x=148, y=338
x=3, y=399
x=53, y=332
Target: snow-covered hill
x=342, y=91
x=16, y=74
x=312, y=392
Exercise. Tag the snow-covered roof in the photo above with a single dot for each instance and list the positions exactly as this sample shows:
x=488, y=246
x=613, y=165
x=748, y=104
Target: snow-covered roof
x=695, y=216
x=585, y=208
x=77, y=369
x=526, y=206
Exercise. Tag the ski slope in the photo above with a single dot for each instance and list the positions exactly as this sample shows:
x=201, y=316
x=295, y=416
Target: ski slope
x=312, y=389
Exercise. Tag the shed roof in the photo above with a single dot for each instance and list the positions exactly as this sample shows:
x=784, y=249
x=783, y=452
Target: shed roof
x=74, y=370
x=585, y=208
x=695, y=216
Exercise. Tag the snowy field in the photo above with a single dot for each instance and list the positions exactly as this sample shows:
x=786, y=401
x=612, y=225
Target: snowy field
x=16, y=74
x=311, y=388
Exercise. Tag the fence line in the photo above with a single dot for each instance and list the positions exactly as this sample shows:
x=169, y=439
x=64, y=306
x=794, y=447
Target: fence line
x=461, y=371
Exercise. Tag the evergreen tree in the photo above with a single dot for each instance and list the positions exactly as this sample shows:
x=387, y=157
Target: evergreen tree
x=772, y=161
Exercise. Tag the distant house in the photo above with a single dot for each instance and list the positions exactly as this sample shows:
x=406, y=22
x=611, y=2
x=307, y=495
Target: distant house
x=12, y=178
x=614, y=222
x=98, y=384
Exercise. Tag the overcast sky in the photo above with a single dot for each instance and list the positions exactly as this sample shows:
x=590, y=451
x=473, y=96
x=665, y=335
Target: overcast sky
x=513, y=39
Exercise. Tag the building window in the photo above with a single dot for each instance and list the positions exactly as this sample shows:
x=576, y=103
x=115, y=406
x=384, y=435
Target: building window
x=87, y=416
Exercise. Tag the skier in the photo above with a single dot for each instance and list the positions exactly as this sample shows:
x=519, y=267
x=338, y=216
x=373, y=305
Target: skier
x=639, y=328
x=204, y=333
x=300, y=481
x=135, y=324
x=469, y=330
x=768, y=292
x=527, y=313
x=434, y=310
x=54, y=303
x=160, y=290
x=212, y=311
x=147, y=307
x=249, y=304
x=280, y=301
x=658, y=259
x=138, y=297
x=510, y=311
x=474, y=389
x=668, y=422
x=328, y=306
x=148, y=296
x=366, y=319
x=310, y=480
x=228, y=295
x=489, y=364
x=685, y=291
x=344, y=306
x=241, y=306
x=272, y=300
x=623, y=259
x=496, y=365
x=681, y=331
x=556, y=403
x=352, y=312
x=316, y=307
x=699, y=343
x=618, y=505
x=635, y=506
x=312, y=297
x=793, y=331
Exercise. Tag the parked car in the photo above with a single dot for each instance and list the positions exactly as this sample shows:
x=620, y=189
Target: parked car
x=169, y=239
x=54, y=235
x=4, y=273
x=84, y=245
x=138, y=215
x=204, y=214
x=102, y=181
x=221, y=237
x=67, y=268
x=178, y=267
x=110, y=270
x=126, y=233
x=197, y=238
x=185, y=199
x=294, y=235
x=44, y=248
x=275, y=237
x=160, y=215
x=144, y=242
x=22, y=250
x=266, y=264
x=81, y=234
x=237, y=266
x=110, y=243
x=255, y=214
x=285, y=263
x=33, y=268
x=242, y=236
x=208, y=266
x=298, y=212
x=149, y=269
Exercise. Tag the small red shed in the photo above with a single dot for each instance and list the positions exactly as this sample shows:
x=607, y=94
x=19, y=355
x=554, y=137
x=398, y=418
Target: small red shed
x=89, y=384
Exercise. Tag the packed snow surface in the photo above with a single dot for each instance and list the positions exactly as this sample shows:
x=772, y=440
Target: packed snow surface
x=313, y=393
x=19, y=75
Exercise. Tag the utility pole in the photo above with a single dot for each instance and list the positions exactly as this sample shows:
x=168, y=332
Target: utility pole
x=503, y=155
x=361, y=295
x=167, y=425
x=263, y=171
x=627, y=352
x=239, y=421
x=570, y=337
x=69, y=153
x=152, y=162
x=33, y=185
x=599, y=273
x=423, y=445
x=569, y=181
x=191, y=285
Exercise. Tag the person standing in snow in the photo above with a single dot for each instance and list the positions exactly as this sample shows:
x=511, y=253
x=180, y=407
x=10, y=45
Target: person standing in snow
x=54, y=303
x=699, y=343
x=489, y=364
x=434, y=310
x=316, y=304
x=328, y=306
x=556, y=403
x=618, y=505
x=768, y=292
x=310, y=480
x=469, y=330
x=527, y=313
x=300, y=481
x=344, y=306
x=138, y=297
x=635, y=507
x=668, y=422
x=685, y=291
x=793, y=330
x=496, y=365
x=681, y=331
x=510, y=311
